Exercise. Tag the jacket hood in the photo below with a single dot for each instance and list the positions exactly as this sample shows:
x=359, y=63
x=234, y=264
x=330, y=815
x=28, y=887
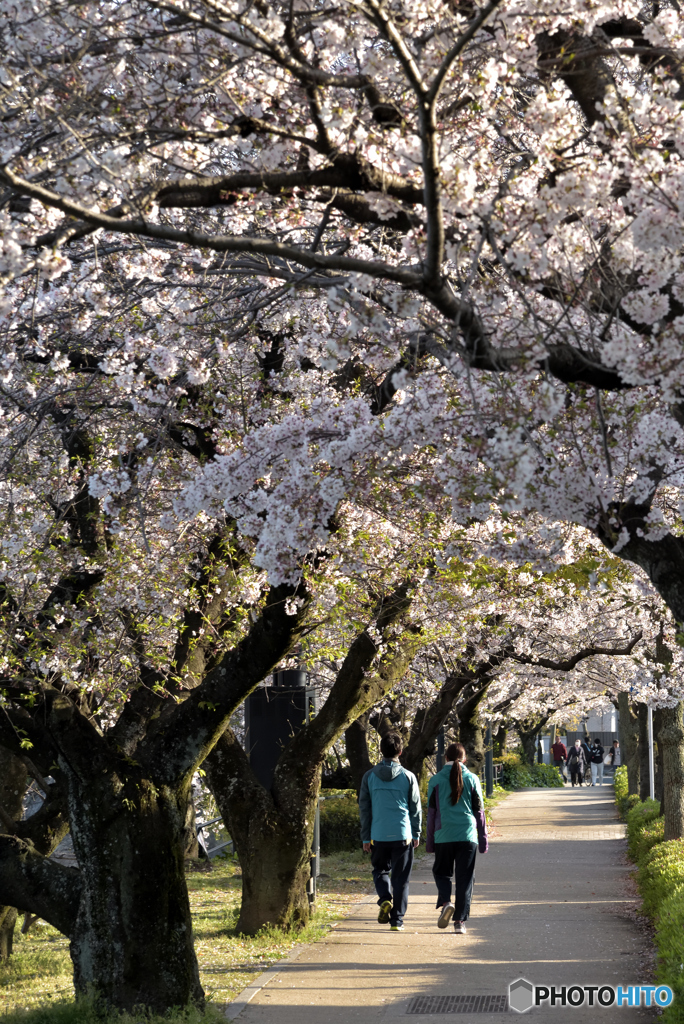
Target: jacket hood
x=388, y=770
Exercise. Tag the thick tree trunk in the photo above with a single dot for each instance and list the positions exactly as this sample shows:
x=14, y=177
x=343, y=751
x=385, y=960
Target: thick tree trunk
x=276, y=868
x=500, y=741
x=671, y=742
x=629, y=741
x=356, y=746
x=190, y=843
x=8, y=919
x=528, y=742
x=132, y=939
x=658, y=758
x=13, y=784
x=644, y=768
x=273, y=835
x=471, y=735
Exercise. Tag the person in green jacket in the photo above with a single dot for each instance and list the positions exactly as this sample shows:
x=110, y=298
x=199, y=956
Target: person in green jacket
x=456, y=830
x=391, y=820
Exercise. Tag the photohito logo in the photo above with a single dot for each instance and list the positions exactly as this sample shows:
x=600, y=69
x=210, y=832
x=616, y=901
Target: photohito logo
x=523, y=995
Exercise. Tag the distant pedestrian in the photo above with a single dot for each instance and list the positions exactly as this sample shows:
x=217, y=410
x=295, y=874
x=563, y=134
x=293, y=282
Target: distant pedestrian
x=577, y=763
x=615, y=755
x=391, y=819
x=457, y=829
x=596, y=753
x=560, y=756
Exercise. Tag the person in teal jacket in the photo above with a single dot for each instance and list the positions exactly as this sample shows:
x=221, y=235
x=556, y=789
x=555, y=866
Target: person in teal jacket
x=456, y=830
x=391, y=820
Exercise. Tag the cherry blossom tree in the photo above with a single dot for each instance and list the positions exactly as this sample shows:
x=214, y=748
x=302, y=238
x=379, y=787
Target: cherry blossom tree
x=473, y=207
x=273, y=275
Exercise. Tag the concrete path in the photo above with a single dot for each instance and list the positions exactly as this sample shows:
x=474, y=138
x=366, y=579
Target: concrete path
x=551, y=904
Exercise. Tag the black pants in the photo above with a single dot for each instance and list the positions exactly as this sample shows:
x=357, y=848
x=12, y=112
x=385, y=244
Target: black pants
x=455, y=859
x=397, y=859
x=558, y=761
x=576, y=773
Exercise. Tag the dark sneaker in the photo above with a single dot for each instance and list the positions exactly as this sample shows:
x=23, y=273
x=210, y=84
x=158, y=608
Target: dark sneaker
x=396, y=927
x=460, y=927
x=384, y=912
x=446, y=915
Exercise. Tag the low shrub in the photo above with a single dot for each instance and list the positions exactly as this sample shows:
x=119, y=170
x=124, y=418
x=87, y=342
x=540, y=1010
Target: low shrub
x=648, y=837
x=519, y=775
x=661, y=884
x=624, y=801
x=668, y=937
x=620, y=783
x=661, y=876
x=641, y=815
x=546, y=775
x=340, y=823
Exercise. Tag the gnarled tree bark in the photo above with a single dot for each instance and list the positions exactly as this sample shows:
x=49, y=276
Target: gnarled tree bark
x=629, y=742
x=356, y=747
x=671, y=742
x=644, y=767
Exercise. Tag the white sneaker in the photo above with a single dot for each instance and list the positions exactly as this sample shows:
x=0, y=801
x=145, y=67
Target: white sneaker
x=460, y=927
x=446, y=915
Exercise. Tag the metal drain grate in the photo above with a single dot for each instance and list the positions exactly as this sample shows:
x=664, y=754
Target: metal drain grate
x=458, y=1004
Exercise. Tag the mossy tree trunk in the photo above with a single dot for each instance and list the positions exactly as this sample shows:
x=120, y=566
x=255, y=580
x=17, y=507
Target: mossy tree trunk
x=528, y=741
x=658, y=757
x=528, y=730
x=470, y=729
x=272, y=832
x=13, y=785
x=629, y=742
x=671, y=743
x=356, y=748
x=500, y=738
x=8, y=919
x=644, y=767
x=132, y=938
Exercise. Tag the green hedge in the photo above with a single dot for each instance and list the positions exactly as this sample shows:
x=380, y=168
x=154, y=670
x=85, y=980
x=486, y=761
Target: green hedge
x=668, y=937
x=640, y=816
x=661, y=875
x=518, y=775
x=340, y=823
x=622, y=799
x=661, y=883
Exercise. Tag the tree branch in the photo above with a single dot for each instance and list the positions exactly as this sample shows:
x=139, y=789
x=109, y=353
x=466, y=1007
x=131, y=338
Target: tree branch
x=35, y=885
x=568, y=664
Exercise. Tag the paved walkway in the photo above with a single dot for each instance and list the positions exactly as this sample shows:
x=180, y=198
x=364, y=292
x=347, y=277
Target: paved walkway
x=550, y=905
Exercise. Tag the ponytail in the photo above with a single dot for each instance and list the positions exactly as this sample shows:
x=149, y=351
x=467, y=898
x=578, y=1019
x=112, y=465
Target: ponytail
x=456, y=752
